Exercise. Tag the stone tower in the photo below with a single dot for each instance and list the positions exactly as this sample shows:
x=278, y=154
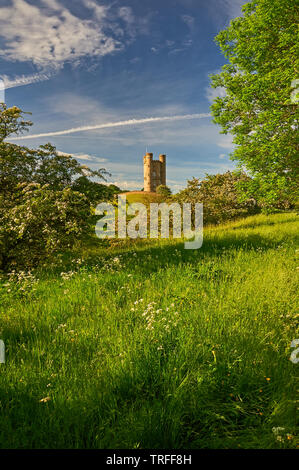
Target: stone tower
x=154, y=172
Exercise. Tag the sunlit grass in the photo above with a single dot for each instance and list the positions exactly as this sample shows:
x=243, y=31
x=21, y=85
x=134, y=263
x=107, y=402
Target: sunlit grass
x=149, y=345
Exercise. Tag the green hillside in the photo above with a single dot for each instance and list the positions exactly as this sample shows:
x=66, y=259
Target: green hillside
x=154, y=346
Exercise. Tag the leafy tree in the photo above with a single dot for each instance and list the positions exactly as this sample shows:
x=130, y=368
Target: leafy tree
x=220, y=196
x=45, y=166
x=95, y=192
x=163, y=190
x=191, y=194
x=12, y=121
x=37, y=222
x=40, y=210
x=114, y=189
x=260, y=107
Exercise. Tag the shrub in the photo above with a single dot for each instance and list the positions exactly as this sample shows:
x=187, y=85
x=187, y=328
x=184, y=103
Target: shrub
x=38, y=221
x=45, y=197
x=220, y=196
x=163, y=190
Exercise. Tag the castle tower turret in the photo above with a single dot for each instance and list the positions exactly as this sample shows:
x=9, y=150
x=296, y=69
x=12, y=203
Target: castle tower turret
x=162, y=159
x=148, y=168
x=154, y=172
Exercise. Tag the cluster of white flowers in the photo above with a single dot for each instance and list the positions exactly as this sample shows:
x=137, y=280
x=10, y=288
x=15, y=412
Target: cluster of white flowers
x=127, y=288
x=164, y=320
x=136, y=303
x=78, y=261
x=113, y=264
x=177, y=252
x=68, y=275
x=20, y=282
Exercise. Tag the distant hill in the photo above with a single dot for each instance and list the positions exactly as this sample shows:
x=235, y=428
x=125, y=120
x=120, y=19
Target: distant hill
x=143, y=197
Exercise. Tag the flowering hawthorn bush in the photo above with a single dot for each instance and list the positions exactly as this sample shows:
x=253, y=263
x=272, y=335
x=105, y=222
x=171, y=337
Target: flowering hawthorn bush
x=41, y=210
x=38, y=221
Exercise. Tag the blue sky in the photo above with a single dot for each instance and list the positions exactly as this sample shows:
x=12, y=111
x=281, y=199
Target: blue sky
x=91, y=63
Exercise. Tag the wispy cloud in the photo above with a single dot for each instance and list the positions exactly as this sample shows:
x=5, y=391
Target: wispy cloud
x=129, y=122
x=49, y=35
x=189, y=21
x=222, y=11
x=83, y=156
x=176, y=51
x=126, y=14
x=24, y=79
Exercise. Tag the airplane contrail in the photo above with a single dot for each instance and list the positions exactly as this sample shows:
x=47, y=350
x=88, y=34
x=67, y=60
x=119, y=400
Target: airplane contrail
x=129, y=122
x=24, y=80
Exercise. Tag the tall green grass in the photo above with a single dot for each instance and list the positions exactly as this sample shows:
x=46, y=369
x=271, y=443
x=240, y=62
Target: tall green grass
x=154, y=346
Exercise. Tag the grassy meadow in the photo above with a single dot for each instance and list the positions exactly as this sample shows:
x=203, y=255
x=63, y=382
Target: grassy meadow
x=149, y=345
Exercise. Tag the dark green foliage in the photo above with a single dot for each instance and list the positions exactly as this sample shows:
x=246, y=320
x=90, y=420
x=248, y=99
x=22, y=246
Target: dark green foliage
x=95, y=192
x=12, y=121
x=260, y=108
x=163, y=190
x=41, y=209
x=220, y=196
x=37, y=222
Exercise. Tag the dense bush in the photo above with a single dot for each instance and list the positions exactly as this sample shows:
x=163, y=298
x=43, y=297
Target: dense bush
x=45, y=197
x=38, y=221
x=163, y=190
x=220, y=196
x=95, y=192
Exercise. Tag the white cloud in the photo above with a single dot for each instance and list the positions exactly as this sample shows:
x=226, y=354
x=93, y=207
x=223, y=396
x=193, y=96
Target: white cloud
x=177, y=50
x=135, y=60
x=99, y=10
x=189, y=21
x=50, y=35
x=131, y=25
x=126, y=14
x=170, y=43
x=82, y=156
x=222, y=156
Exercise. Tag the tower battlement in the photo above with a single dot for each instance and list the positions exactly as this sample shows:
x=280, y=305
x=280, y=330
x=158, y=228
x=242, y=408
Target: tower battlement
x=154, y=172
